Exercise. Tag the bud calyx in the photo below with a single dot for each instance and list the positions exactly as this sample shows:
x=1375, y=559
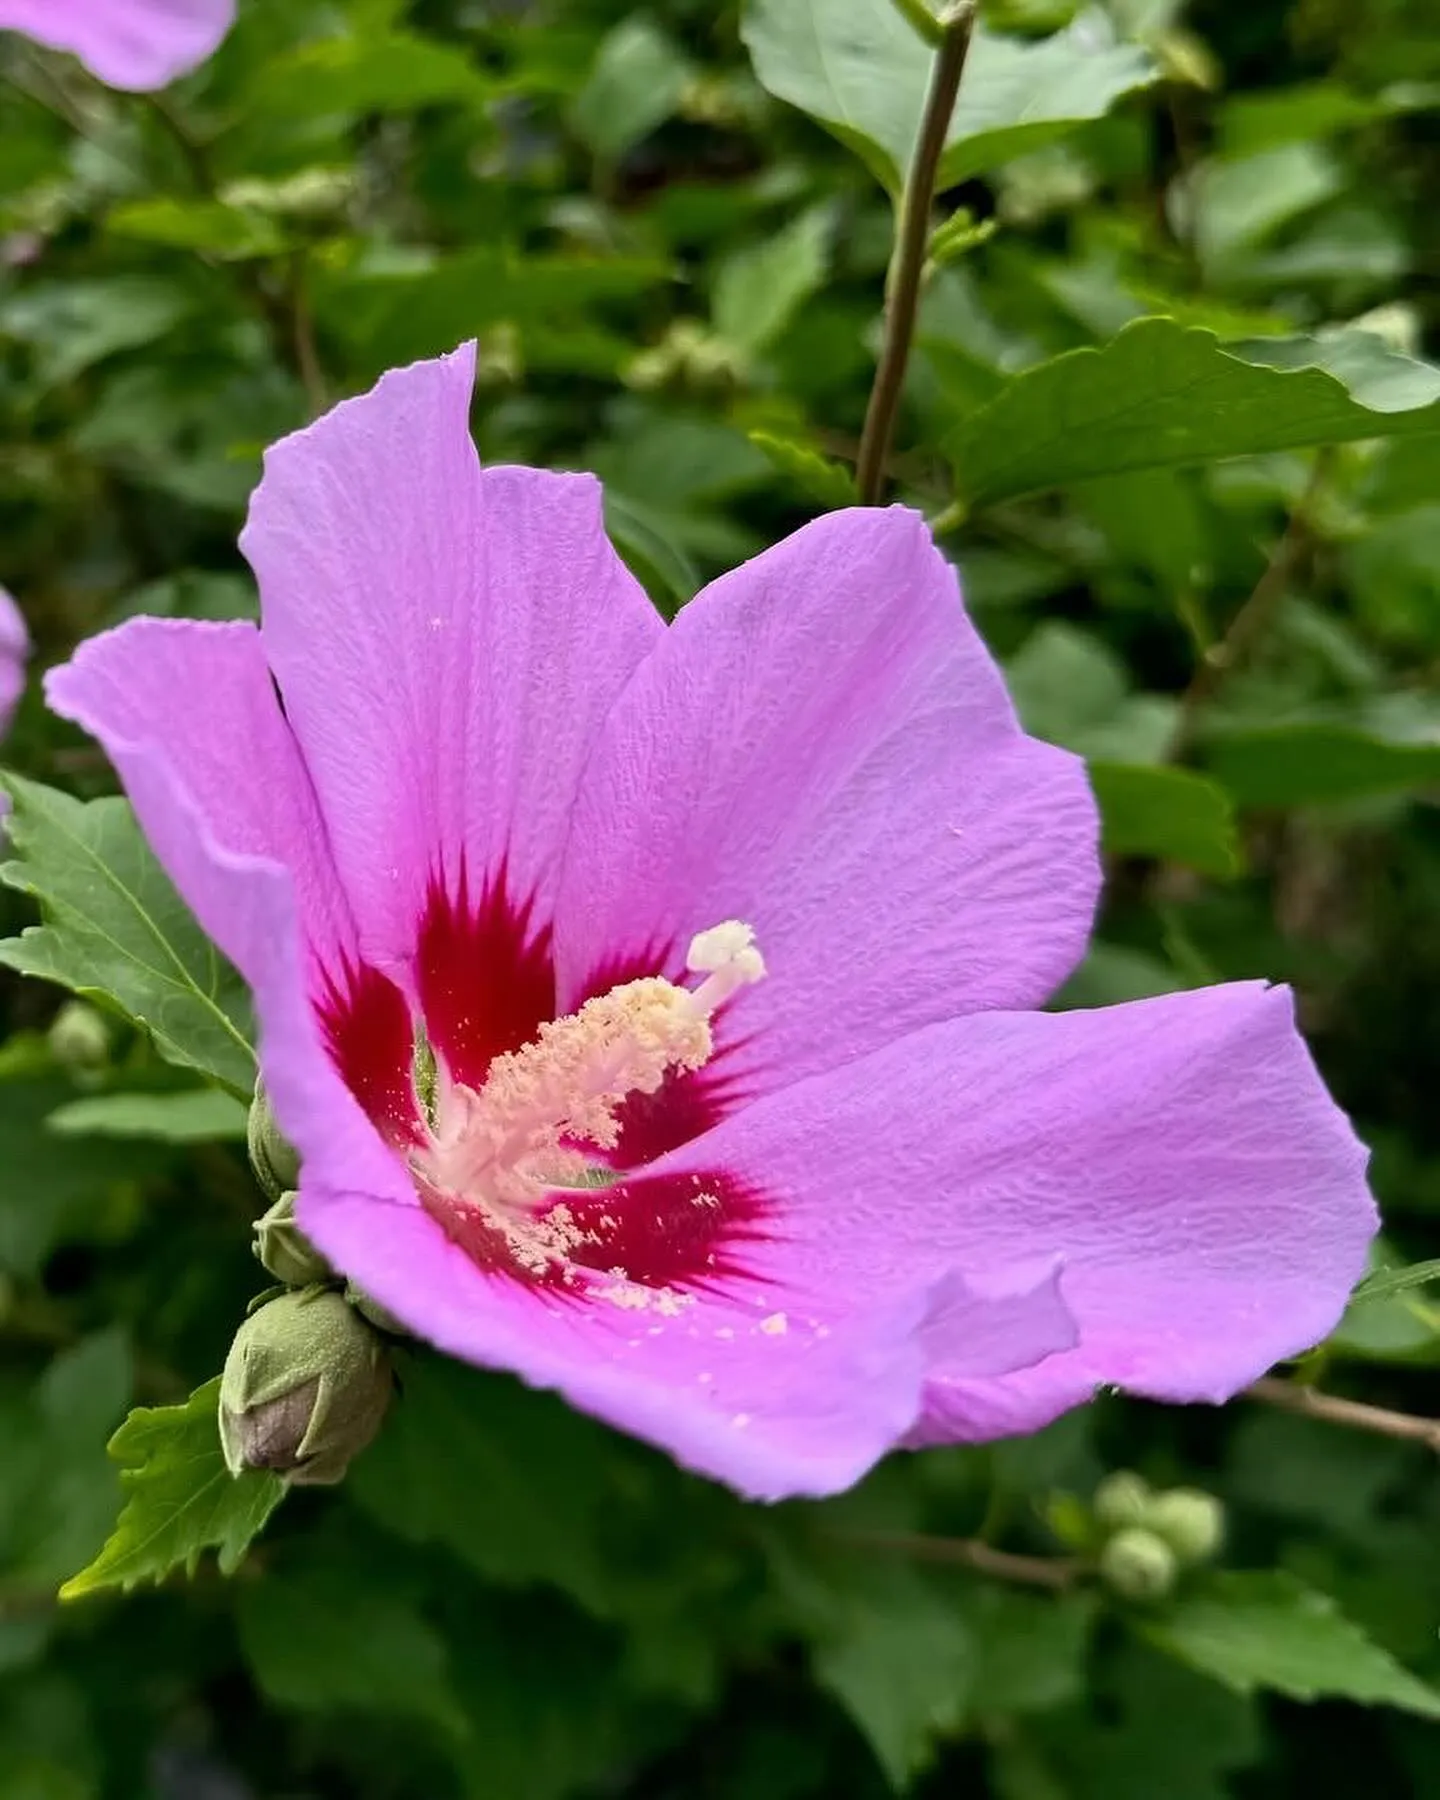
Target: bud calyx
x=276, y=1165
x=284, y=1251
x=306, y=1385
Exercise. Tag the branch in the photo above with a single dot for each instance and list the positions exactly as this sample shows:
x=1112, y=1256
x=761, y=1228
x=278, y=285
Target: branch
x=907, y=264
x=1310, y=1403
x=1055, y=1572
x=286, y=314
x=1255, y=616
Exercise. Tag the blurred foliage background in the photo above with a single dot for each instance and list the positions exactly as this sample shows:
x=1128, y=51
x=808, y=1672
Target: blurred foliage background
x=1215, y=575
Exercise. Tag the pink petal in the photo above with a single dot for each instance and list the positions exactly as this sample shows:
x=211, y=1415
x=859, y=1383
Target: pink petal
x=188, y=715
x=199, y=696
x=14, y=654
x=972, y=1334
x=775, y=1408
x=822, y=747
x=126, y=43
x=1178, y=1158
x=447, y=643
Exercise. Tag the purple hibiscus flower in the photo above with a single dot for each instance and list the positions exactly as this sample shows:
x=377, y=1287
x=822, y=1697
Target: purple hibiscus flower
x=650, y=1005
x=14, y=654
x=125, y=43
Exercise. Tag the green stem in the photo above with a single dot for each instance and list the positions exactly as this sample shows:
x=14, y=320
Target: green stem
x=1310, y=1403
x=919, y=16
x=1055, y=1572
x=907, y=265
x=1255, y=617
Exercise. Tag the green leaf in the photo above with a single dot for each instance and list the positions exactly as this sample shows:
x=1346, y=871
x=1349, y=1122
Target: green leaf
x=1029, y=1650
x=653, y=557
x=1159, y=395
x=759, y=290
x=1311, y=765
x=1173, y=814
x=190, y=1118
x=1154, y=1731
x=329, y=1639
x=1259, y=120
x=401, y=314
x=544, y=1690
x=1071, y=688
x=1382, y=1283
x=1404, y=474
x=860, y=69
x=900, y=1661
x=1268, y=1630
x=510, y=1481
x=1240, y=203
x=59, y=1190
x=370, y=72
x=1393, y=574
x=830, y=484
x=1112, y=973
x=116, y=929
x=233, y=233
x=180, y=1498
x=73, y=325
x=635, y=85
x=57, y=1493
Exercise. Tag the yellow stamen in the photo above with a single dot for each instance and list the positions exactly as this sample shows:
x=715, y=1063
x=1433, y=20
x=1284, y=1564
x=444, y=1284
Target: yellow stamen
x=506, y=1147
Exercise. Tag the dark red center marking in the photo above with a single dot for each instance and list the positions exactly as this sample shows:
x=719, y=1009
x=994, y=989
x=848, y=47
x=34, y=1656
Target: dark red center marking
x=486, y=980
x=367, y=1027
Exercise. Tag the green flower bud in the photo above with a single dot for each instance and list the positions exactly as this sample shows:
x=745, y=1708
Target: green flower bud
x=79, y=1037
x=305, y=1387
x=1137, y=1565
x=375, y=1312
x=1192, y=1523
x=1122, y=1499
x=284, y=1251
x=276, y=1166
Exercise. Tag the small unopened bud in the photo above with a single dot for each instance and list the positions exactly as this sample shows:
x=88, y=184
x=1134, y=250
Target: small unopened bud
x=1122, y=1499
x=372, y=1310
x=79, y=1037
x=1137, y=1565
x=276, y=1166
x=1192, y=1523
x=284, y=1251
x=305, y=1387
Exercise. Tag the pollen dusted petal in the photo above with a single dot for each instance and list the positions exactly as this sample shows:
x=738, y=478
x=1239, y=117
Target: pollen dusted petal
x=674, y=1231
x=775, y=1415
x=504, y=1171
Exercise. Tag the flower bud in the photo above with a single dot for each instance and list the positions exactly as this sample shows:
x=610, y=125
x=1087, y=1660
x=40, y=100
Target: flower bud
x=284, y=1251
x=305, y=1387
x=1122, y=1499
x=375, y=1312
x=1137, y=1565
x=276, y=1166
x=79, y=1037
x=1192, y=1523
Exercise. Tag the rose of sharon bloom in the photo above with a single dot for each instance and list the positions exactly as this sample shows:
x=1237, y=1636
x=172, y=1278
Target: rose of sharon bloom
x=14, y=654
x=125, y=43
x=651, y=1006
